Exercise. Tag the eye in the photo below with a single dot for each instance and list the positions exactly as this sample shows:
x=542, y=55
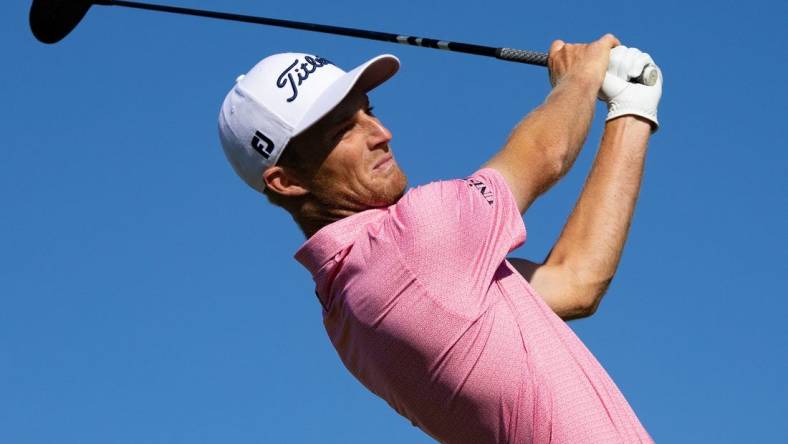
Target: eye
x=369, y=111
x=343, y=130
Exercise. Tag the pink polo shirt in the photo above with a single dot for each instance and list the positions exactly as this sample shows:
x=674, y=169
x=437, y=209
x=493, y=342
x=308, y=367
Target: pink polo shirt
x=424, y=309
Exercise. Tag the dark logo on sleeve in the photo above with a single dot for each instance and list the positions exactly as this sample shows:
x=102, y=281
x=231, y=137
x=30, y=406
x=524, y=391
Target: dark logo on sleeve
x=262, y=144
x=302, y=73
x=485, y=191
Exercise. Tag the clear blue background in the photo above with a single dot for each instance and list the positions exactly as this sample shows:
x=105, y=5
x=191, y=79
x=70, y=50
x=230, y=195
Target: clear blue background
x=148, y=296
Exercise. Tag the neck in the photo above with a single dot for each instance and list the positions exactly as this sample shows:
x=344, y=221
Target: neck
x=312, y=216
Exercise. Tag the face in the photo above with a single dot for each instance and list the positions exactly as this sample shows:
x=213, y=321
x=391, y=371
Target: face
x=353, y=167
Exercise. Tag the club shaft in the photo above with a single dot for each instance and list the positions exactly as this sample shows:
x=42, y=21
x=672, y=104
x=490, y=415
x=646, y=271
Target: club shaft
x=514, y=55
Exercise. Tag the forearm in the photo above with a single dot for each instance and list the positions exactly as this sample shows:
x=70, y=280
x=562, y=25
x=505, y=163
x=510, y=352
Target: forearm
x=545, y=144
x=557, y=129
x=593, y=238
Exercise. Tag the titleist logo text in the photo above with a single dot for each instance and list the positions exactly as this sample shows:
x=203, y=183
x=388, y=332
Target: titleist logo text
x=310, y=65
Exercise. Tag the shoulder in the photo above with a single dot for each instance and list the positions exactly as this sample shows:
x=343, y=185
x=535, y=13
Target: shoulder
x=482, y=188
x=440, y=211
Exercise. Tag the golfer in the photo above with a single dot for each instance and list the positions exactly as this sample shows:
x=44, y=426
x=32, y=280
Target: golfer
x=418, y=295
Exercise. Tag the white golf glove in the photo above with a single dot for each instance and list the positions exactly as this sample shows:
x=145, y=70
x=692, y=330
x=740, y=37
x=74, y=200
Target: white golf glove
x=625, y=98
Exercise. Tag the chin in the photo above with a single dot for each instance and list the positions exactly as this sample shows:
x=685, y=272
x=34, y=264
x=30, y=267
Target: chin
x=391, y=192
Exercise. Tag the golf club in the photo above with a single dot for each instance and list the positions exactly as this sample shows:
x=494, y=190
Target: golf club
x=52, y=20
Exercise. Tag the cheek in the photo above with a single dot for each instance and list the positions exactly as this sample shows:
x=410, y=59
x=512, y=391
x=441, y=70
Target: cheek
x=347, y=165
x=346, y=179
x=337, y=174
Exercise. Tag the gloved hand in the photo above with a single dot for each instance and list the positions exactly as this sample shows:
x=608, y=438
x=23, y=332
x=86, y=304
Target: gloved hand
x=625, y=98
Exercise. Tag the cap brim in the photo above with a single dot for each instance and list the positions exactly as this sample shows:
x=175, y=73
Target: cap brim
x=52, y=20
x=366, y=77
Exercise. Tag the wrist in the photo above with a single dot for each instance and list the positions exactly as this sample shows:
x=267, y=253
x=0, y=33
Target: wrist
x=630, y=128
x=575, y=92
x=590, y=83
x=618, y=111
x=630, y=122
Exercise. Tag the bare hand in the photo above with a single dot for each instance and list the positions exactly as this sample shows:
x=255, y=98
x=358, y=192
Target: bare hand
x=581, y=62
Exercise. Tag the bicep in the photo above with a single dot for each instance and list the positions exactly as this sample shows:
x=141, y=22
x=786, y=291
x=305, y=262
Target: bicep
x=554, y=284
x=523, y=186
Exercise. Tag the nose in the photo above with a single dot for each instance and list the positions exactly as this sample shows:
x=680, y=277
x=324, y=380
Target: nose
x=378, y=134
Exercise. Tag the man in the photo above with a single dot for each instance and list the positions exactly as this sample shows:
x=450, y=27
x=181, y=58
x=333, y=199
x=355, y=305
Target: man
x=418, y=297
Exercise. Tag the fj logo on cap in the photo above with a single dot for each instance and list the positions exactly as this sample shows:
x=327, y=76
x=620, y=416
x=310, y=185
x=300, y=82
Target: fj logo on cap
x=262, y=144
x=306, y=68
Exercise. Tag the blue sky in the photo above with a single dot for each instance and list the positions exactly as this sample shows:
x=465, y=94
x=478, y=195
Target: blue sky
x=148, y=296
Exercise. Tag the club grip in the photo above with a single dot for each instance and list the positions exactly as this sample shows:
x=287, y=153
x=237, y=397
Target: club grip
x=648, y=77
x=519, y=55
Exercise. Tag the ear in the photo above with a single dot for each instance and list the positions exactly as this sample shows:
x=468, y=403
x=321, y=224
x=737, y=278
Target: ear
x=283, y=182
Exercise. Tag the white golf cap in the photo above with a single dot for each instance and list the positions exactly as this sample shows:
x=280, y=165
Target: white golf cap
x=279, y=98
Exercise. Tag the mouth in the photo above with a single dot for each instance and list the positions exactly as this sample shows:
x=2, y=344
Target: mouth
x=383, y=163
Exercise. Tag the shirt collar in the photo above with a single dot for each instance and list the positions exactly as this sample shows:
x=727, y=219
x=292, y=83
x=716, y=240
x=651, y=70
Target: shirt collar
x=334, y=237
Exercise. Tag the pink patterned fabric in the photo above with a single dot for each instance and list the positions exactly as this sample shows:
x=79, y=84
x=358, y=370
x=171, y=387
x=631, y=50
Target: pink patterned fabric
x=423, y=308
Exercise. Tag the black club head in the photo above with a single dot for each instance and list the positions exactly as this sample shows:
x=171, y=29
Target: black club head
x=51, y=20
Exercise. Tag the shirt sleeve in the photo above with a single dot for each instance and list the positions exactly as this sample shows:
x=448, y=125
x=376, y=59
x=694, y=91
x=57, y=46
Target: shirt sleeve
x=455, y=234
